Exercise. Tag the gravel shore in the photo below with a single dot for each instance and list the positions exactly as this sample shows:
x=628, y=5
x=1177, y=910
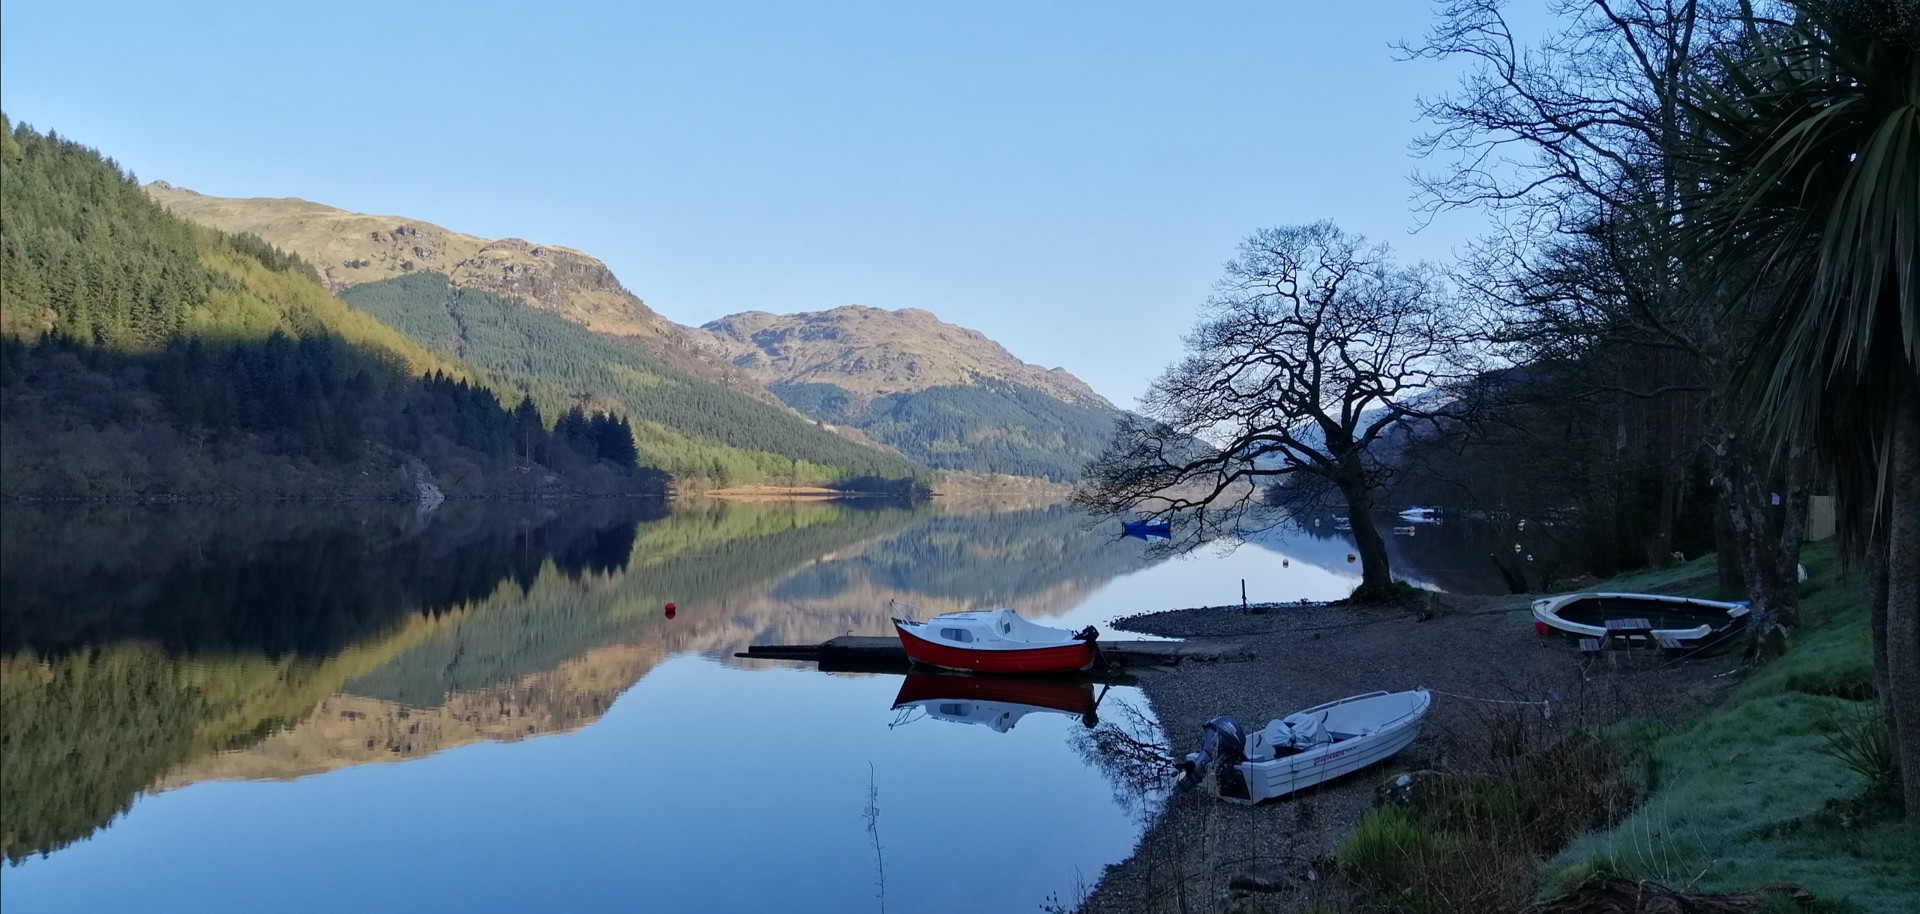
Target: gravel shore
x=1479, y=655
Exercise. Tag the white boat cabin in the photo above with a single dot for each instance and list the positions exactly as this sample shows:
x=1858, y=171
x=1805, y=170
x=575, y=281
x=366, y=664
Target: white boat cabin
x=991, y=629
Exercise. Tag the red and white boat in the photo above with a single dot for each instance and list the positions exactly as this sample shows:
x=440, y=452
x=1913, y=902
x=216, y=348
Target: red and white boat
x=996, y=641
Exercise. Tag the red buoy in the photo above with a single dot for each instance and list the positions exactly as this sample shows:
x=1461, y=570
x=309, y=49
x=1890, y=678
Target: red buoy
x=1540, y=628
x=671, y=609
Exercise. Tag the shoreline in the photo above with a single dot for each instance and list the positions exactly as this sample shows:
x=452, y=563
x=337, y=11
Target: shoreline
x=1479, y=656
x=392, y=499
x=782, y=493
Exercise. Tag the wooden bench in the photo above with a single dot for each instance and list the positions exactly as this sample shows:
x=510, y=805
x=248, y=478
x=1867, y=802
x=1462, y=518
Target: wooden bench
x=1670, y=644
x=1629, y=629
x=1593, y=645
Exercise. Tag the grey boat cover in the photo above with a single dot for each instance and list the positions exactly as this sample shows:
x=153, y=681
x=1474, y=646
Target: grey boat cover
x=1293, y=733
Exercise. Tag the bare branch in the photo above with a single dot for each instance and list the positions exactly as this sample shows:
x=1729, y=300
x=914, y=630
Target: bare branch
x=1314, y=346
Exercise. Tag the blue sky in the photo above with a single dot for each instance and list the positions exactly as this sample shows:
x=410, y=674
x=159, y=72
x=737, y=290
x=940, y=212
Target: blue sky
x=1066, y=178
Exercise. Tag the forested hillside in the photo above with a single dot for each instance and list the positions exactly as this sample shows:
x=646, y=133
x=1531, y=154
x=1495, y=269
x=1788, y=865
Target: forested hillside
x=984, y=427
x=142, y=355
x=697, y=430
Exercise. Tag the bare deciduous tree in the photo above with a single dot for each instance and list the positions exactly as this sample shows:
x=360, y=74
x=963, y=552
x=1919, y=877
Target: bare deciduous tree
x=1580, y=138
x=1314, y=348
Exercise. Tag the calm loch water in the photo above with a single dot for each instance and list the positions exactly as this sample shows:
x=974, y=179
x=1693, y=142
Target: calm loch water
x=485, y=708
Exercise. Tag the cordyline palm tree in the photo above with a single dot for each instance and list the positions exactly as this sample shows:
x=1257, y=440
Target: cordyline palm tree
x=1808, y=150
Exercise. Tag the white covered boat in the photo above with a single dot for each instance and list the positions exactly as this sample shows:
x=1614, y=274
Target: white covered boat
x=1312, y=746
x=1585, y=615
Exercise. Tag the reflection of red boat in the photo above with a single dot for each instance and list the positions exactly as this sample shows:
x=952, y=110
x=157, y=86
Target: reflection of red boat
x=1072, y=697
x=996, y=641
x=996, y=702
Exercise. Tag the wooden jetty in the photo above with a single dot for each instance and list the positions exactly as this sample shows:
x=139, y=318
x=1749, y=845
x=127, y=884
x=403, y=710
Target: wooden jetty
x=868, y=654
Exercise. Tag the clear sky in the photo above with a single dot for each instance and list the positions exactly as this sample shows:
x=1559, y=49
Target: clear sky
x=1064, y=177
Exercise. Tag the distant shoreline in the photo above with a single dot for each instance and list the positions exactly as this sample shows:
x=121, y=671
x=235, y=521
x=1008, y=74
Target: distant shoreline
x=1013, y=489
x=783, y=493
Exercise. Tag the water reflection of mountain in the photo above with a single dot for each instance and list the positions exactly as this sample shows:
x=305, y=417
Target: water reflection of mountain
x=458, y=687
x=980, y=559
x=264, y=644
x=700, y=559
x=745, y=572
x=139, y=638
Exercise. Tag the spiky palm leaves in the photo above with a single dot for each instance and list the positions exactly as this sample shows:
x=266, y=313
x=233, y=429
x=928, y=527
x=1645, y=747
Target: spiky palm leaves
x=1809, y=157
x=1808, y=211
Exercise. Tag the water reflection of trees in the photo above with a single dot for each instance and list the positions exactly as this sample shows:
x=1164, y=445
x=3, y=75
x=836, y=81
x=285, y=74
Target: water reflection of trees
x=139, y=640
x=1129, y=749
x=280, y=581
x=735, y=566
x=980, y=558
x=702, y=556
x=136, y=639
x=1458, y=556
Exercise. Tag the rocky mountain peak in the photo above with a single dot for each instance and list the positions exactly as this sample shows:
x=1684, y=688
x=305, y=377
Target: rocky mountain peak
x=866, y=351
x=872, y=351
x=350, y=249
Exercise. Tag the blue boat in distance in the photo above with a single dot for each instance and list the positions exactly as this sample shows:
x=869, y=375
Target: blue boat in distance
x=1144, y=529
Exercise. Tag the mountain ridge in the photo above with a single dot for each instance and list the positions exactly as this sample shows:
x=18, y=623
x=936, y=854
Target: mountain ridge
x=351, y=249
x=871, y=351
x=901, y=382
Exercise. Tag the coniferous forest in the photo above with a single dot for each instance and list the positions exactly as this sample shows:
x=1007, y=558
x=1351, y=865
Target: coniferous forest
x=142, y=355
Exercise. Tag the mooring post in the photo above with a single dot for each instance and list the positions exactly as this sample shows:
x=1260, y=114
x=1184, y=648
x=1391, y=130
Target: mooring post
x=1243, y=594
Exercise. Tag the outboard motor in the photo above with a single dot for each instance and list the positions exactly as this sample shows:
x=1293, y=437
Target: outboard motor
x=1088, y=634
x=1220, y=740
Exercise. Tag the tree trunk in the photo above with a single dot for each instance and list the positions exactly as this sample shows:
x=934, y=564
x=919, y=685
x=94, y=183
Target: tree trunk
x=1754, y=536
x=1726, y=550
x=1903, y=594
x=1791, y=530
x=1877, y=624
x=1671, y=481
x=1375, y=575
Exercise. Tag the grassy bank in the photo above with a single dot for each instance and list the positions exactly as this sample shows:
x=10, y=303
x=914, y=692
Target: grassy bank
x=1751, y=792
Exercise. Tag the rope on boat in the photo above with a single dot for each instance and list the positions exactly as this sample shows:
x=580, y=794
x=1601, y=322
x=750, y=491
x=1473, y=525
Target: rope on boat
x=1545, y=704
